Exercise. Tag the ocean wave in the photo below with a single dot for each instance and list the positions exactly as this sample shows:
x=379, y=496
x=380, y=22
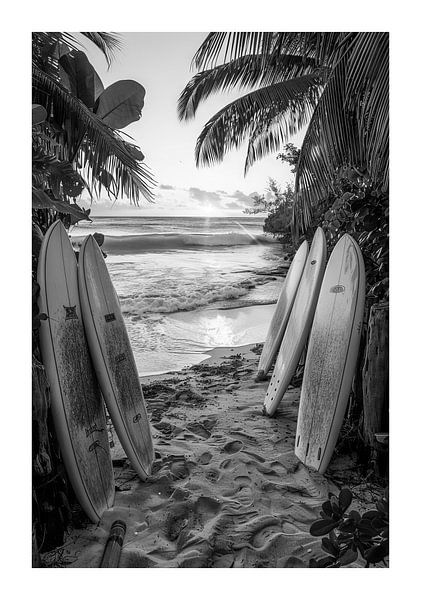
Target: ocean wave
x=180, y=299
x=137, y=306
x=132, y=244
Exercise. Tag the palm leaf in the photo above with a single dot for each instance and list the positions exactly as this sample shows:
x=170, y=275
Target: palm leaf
x=41, y=200
x=277, y=129
x=289, y=102
x=234, y=45
x=368, y=81
x=331, y=141
x=108, y=43
x=101, y=148
x=247, y=71
x=350, y=126
x=322, y=47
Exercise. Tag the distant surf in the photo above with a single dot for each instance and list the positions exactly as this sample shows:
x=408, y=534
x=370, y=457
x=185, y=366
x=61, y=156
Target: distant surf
x=178, y=277
x=132, y=244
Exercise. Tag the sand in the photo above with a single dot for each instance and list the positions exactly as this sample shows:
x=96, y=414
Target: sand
x=226, y=491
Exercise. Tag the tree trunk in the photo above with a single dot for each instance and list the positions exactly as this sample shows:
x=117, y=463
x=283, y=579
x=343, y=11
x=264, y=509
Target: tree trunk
x=376, y=385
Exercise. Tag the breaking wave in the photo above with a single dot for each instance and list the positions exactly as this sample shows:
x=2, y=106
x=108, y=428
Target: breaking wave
x=133, y=244
x=172, y=300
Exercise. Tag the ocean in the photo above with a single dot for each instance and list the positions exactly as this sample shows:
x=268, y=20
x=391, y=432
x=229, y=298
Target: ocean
x=188, y=284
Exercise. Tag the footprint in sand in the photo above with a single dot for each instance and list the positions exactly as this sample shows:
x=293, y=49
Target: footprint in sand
x=212, y=475
x=225, y=464
x=209, y=423
x=243, y=481
x=290, y=528
x=266, y=536
x=233, y=447
x=176, y=522
x=244, y=495
x=256, y=456
x=207, y=507
x=199, y=430
x=205, y=458
x=165, y=428
x=179, y=469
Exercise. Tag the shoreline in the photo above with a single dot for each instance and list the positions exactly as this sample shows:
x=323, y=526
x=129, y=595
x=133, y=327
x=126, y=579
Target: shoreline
x=201, y=331
x=215, y=355
x=226, y=489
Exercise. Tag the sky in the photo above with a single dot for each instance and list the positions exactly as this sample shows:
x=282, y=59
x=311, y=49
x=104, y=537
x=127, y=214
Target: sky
x=161, y=62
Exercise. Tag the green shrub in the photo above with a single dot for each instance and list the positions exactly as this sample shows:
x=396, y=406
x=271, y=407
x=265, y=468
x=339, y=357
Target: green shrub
x=348, y=535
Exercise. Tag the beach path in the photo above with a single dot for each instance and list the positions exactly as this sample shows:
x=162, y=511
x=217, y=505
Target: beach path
x=226, y=489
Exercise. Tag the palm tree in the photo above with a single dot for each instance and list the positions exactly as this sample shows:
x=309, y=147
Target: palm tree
x=75, y=146
x=336, y=83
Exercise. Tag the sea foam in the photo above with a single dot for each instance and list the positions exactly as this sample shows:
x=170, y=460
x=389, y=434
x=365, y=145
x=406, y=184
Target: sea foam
x=139, y=305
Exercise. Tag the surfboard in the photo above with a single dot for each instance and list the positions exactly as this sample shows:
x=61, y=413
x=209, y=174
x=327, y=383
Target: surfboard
x=76, y=402
x=113, y=358
x=299, y=323
x=332, y=355
x=282, y=311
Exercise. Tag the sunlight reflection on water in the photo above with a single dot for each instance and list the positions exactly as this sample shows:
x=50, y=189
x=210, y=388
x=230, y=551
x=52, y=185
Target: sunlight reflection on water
x=185, y=338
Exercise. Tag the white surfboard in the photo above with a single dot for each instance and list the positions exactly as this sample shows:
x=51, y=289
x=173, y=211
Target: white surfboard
x=282, y=311
x=299, y=323
x=332, y=355
x=76, y=402
x=113, y=358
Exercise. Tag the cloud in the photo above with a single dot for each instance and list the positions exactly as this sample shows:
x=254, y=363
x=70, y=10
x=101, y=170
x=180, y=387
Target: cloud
x=243, y=200
x=204, y=196
x=234, y=205
x=166, y=187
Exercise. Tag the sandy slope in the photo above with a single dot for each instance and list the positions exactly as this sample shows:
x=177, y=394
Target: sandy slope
x=227, y=489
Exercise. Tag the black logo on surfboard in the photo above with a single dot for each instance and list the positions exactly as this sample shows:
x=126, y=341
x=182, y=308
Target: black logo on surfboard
x=70, y=312
x=337, y=289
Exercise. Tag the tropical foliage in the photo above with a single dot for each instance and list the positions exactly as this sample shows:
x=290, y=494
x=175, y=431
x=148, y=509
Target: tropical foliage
x=336, y=83
x=359, y=208
x=76, y=142
x=348, y=536
x=277, y=203
x=76, y=146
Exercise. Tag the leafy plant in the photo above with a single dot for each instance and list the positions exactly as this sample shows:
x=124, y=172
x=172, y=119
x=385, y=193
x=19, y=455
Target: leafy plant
x=348, y=535
x=278, y=205
x=75, y=139
x=336, y=82
x=361, y=209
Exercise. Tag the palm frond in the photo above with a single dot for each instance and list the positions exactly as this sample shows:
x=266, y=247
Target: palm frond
x=100, y=148
x=234, y=45
x=368, y=82
x=289, y=102
x=275, y=132
x=331, y=141
x=244, y=72
x=228, y=46
x=350, y=126
x=47, y=46
x=108, y=43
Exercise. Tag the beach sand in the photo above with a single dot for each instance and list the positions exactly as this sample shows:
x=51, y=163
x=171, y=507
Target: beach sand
x=226, y=489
